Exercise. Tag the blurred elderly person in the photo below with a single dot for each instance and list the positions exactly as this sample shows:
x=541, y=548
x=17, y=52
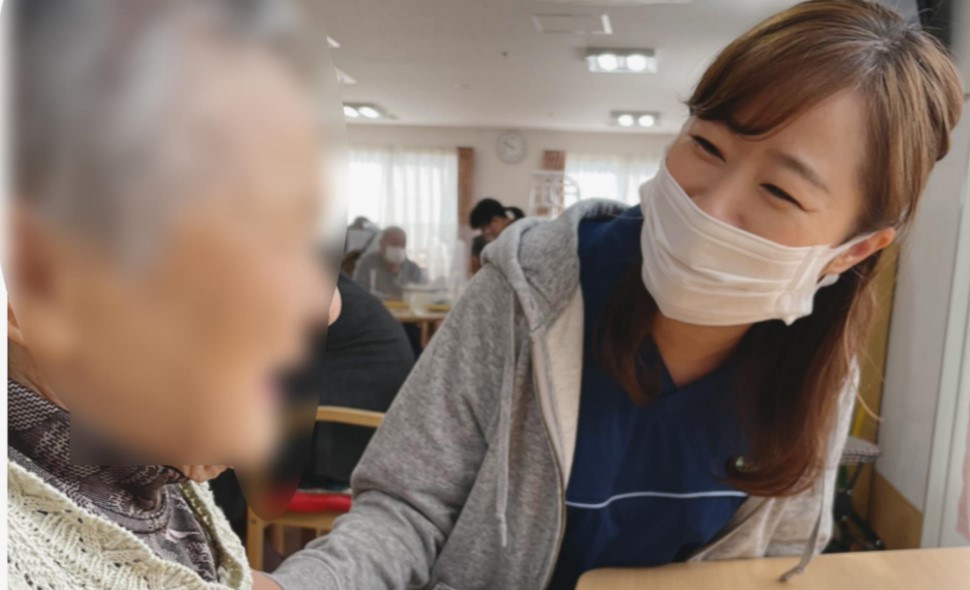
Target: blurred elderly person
x=161, y=273
x=387, y=271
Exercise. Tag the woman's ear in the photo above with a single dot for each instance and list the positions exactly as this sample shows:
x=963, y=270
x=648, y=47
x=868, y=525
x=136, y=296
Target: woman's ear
x=864, y=249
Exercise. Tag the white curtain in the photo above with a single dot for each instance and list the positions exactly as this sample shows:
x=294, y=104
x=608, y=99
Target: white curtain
x=602, y=176
x=416, y=189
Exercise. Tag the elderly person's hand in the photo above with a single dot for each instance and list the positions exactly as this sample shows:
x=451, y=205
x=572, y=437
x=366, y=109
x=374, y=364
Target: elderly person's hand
x=263, y=582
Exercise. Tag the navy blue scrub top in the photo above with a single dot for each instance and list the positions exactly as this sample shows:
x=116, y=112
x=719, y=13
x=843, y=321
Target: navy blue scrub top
x=645, y=487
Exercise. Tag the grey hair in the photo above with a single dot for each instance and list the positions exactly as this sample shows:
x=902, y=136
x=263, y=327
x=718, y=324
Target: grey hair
x=94, y=86
x=393, y=229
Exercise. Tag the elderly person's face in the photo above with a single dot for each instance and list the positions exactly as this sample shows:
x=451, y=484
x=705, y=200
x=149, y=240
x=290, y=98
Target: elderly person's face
x=180, y=356
x=394, y=239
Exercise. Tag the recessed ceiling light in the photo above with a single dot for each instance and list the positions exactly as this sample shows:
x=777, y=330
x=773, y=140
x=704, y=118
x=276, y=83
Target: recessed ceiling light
x=361, y=111
x=636, y=62
x=621, y=61
x=607, y=62
x=369, y=112
x=635, y=118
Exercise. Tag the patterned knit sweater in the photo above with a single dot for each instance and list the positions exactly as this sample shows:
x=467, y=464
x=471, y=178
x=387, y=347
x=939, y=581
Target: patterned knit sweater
x=106, y=526
x=55, y=544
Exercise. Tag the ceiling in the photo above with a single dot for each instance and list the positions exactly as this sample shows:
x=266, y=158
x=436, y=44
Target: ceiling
x=482, y=63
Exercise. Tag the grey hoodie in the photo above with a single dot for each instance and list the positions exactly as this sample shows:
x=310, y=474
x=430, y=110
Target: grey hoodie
x=462, y=486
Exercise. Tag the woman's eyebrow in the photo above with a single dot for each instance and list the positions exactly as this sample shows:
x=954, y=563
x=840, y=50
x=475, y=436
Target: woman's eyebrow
x=799, y=167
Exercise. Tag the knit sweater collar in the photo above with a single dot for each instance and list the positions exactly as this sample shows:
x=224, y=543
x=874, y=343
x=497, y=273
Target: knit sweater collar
x=41, y=432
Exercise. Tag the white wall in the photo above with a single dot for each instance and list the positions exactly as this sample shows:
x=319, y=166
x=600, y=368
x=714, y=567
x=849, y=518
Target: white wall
x=510, y=184
x=919, y=323
x=922, y=313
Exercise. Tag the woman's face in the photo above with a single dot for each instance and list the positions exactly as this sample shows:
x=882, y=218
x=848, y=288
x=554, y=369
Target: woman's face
x=799, y=186
x=180, y=357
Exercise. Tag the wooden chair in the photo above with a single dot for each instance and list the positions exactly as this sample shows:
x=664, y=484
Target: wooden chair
x=320, y=521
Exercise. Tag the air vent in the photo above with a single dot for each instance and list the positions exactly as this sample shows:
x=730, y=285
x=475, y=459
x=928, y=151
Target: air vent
x=344, y=78
x=575, y=24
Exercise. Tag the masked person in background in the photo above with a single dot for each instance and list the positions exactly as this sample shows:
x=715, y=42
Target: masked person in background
x=162, y=271
x=674, y=381
x=387, y=271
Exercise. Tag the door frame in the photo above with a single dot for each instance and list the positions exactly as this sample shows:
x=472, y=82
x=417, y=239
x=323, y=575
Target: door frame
x=950, y=427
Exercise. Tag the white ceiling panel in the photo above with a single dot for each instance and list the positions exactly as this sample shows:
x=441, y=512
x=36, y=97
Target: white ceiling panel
x=482, y=63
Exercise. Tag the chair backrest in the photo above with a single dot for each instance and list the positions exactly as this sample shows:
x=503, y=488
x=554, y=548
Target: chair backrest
x=354, y=417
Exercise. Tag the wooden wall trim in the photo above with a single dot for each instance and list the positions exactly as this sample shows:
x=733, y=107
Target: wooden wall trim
x=466, y=189
x=554, y=160
x=466, y=200
x=872, y=364
x=897, y=522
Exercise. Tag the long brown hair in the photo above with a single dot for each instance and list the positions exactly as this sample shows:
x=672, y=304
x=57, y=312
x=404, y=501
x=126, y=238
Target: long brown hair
x=789, y=377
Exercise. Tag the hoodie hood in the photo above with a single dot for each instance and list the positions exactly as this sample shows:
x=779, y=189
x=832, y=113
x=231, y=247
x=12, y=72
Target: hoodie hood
x=539, y=259
x=540, y=262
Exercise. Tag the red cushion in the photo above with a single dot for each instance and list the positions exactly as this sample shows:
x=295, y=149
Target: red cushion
x=309, y=502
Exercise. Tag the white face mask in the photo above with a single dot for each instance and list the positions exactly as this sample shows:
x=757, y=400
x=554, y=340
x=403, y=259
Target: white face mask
x=395, y=255
x=703, y=271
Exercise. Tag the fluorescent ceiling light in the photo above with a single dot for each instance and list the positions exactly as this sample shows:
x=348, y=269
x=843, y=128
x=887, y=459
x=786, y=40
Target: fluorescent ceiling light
x=607, y=62
x=361, y=111
x=640, y=119
x=369, y=112
x=621, y=61
x=332, y=43
x=636, y=62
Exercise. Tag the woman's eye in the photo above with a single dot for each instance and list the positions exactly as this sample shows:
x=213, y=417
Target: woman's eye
x=707, y=146
x=777, y=192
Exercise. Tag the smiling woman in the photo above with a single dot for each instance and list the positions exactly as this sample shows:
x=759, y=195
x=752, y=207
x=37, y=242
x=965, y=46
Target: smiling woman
x=813, y=159
x=635, y=386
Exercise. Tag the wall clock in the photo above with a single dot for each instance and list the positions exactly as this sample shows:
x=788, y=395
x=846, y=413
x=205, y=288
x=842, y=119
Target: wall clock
x=511, y=147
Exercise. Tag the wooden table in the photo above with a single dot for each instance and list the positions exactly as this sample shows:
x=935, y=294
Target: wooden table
x=916, y=569
x=427, y=322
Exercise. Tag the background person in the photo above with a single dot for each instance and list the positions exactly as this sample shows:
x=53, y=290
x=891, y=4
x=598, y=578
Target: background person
x=386, y=272
x=366, y=356
x=490, y=218
x=362, y=236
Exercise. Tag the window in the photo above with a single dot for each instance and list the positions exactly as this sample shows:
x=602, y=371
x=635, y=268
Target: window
x=610, y=176
x=416, y=189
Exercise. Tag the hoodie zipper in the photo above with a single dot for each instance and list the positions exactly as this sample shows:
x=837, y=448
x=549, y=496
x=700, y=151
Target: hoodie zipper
x=550, y=565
